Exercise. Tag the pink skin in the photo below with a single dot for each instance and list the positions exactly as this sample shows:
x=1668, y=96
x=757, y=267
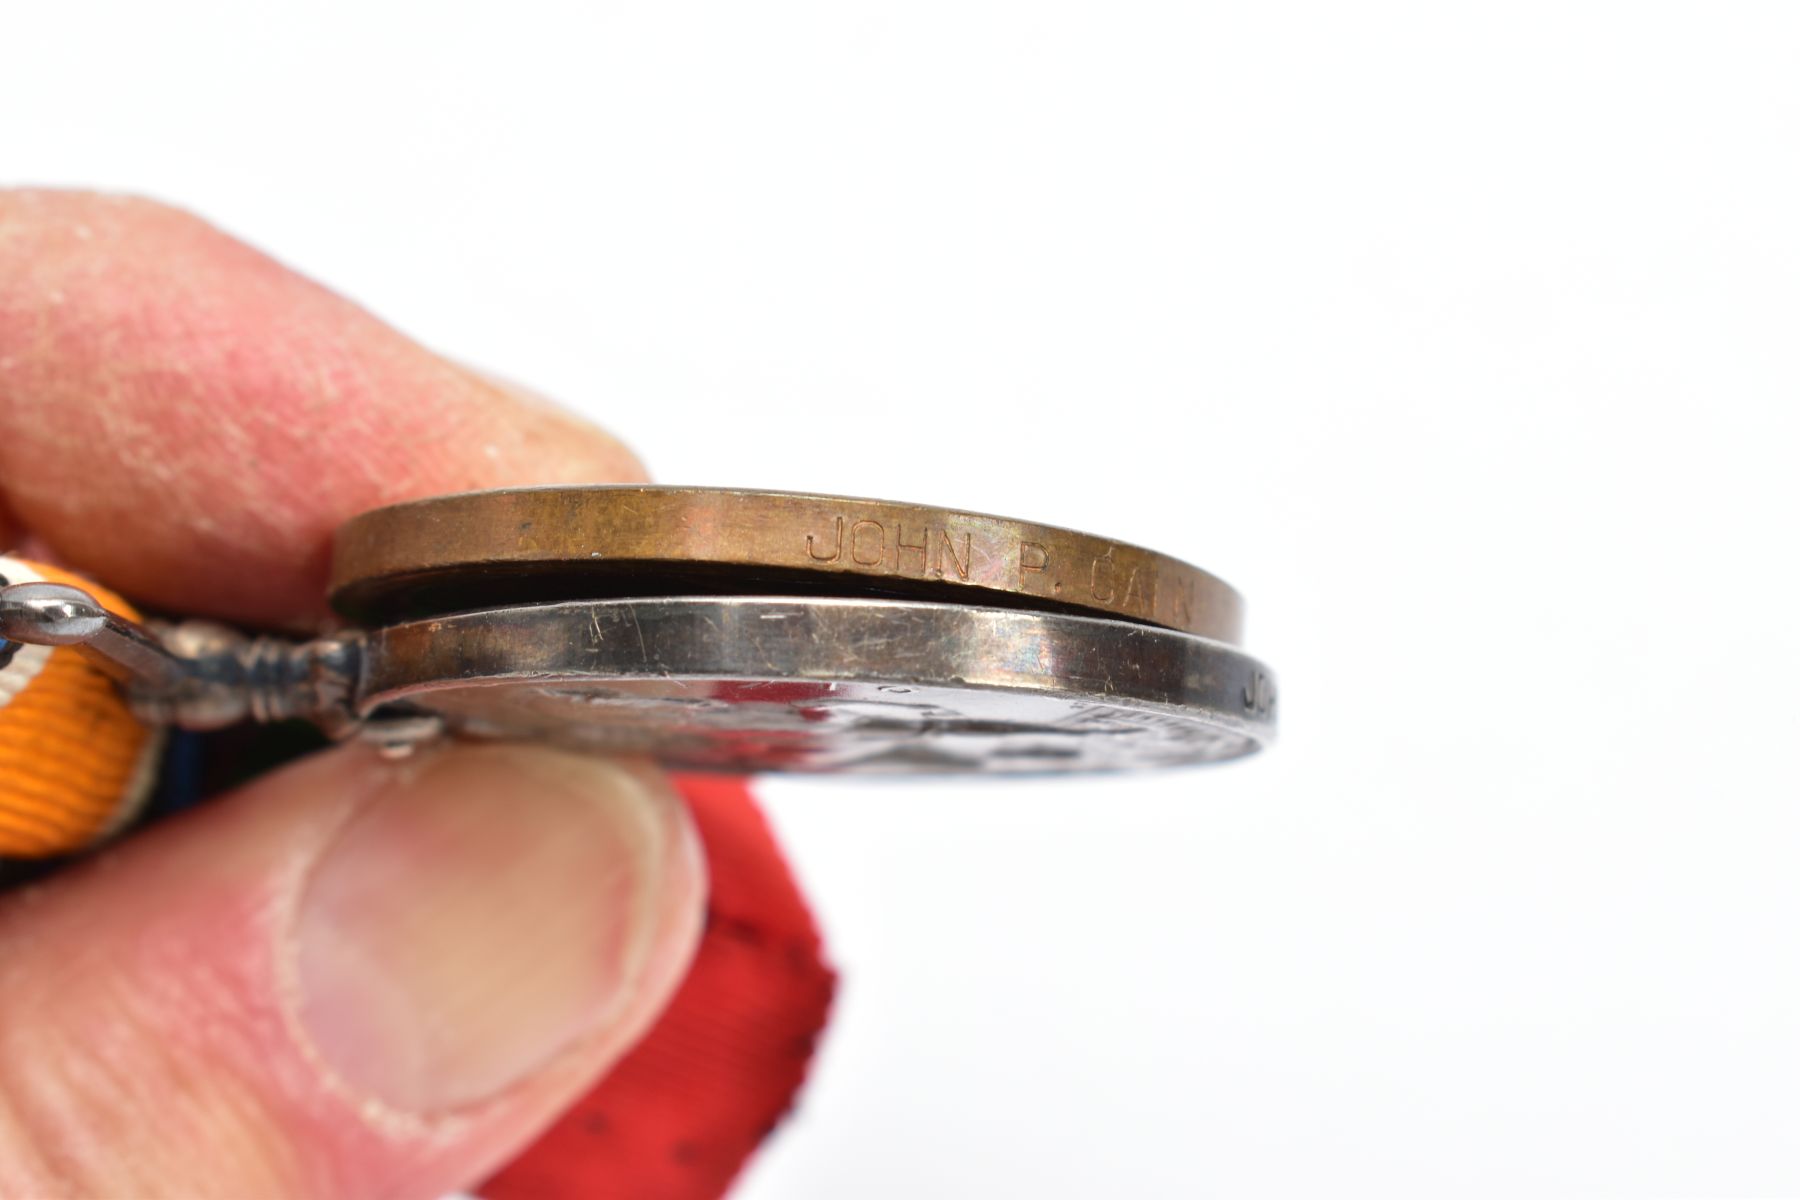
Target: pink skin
x=150, y=1042
x=186, y=417
x=187, y=421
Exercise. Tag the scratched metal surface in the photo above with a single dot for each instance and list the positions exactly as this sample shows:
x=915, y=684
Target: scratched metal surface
x=813, y=684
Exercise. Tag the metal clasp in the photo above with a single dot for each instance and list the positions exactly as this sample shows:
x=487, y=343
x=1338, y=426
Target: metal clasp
x=194, y=674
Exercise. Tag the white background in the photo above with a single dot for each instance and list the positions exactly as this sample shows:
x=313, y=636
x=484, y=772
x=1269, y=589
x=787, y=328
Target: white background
x=1463, y=342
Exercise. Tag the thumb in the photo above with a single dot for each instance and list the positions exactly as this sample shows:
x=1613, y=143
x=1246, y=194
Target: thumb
x=350, y=978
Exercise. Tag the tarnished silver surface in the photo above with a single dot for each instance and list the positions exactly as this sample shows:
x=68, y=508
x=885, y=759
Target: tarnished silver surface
x=232, y=677
x=826, y=684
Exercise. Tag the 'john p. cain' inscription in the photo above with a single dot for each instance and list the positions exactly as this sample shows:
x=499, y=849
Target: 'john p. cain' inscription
x=1115, y=582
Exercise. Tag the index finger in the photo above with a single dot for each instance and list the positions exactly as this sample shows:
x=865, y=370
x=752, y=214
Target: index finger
x=187, y=420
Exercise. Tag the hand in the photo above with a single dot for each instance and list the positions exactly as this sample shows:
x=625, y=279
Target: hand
x=351, y=977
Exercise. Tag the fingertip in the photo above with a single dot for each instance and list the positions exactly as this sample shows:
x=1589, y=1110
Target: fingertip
x=483, y=916
x=188, y=419
x=351, y=977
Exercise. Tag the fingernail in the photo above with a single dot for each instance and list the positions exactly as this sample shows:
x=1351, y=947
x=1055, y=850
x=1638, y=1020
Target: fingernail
x=490, y=907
